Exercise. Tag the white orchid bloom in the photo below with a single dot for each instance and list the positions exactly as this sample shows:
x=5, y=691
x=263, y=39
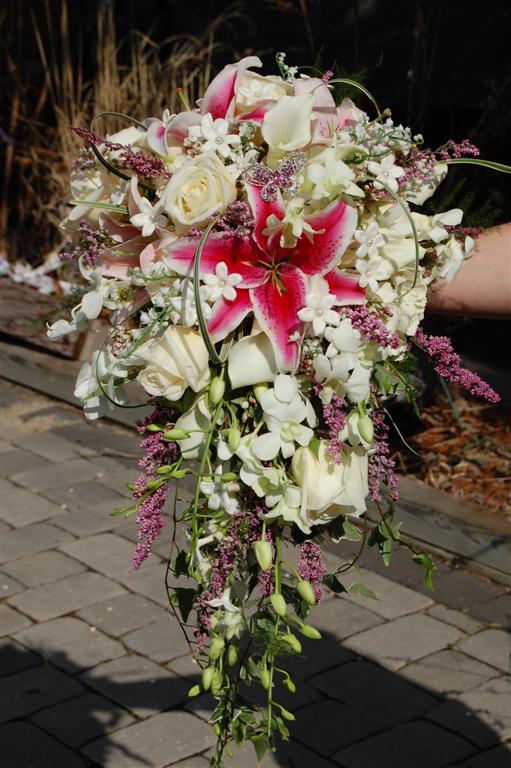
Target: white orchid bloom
x=219, y=493
x=284, y=410
x=224, y=601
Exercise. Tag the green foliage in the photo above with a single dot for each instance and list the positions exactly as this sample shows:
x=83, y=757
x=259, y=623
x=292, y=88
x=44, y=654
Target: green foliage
x=429, y=568
x=382, y=536
x=359, y=589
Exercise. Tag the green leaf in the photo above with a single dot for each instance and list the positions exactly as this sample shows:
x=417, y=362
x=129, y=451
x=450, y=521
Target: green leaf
x=184, y=598
x=102, y=206
x=314, y=446
x=198, y=299
x=351, y=532
x=126, y=511
x=429, y=569
x=358, y=589
x=486, y=163
x=332, y=582
x=261, y=745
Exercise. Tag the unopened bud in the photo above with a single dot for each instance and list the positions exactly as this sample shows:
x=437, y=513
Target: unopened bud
x=164, y=470
x=293, y=642
x=178, y=474
x=153, y=428
x=216, y=682
x=152, y=484
x=310, y=632
x=232, y=655
x=176, y=434
x=289, y=684
x=258, y=391
x=233, y=438
x=207, y=677
x=286, y=714
x=264, y=553
x=216, y=390
x=216, y=648
x=278, y=603
x=366, y=429
x=306, y=592
x=194, y=691
x=265, y=678
x=229, y=477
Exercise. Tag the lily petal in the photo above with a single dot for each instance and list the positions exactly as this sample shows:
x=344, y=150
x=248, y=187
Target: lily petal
x=227, y=315
x=220, y=92
x=345, y=288
x=261, y=209
x=276, y=309
x=239, y=256
x=320, y=256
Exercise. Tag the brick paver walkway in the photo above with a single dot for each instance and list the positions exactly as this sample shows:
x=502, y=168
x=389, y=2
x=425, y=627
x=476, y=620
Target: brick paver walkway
x=95, y=673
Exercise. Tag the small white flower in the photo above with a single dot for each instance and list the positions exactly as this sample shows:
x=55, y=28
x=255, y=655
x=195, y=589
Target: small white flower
x=219, y=493
x=184, y=304
x=373, y=271
x=370, y=239
x=224, y=602
x=148, y=218
x=213, y=135
x=386, y=172
x=318, y=309
x=221, y=284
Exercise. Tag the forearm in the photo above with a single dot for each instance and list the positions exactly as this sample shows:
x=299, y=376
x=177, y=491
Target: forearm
x=482, y=287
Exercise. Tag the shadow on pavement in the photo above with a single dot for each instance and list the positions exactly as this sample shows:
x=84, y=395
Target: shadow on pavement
x=349, y=712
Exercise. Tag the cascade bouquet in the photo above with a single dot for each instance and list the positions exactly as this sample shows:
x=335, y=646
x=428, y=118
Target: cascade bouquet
x=265, y=269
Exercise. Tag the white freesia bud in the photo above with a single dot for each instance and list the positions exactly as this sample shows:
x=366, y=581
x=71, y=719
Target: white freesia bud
x=366, y=429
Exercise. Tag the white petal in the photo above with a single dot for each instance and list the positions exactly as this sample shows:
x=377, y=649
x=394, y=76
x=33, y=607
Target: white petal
x=267, y=446
x=286, y=388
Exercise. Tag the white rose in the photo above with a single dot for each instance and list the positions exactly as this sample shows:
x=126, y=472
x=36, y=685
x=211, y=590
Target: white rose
x=175, y=361
x=253, y=90
x=330, y=489
x=198, y=190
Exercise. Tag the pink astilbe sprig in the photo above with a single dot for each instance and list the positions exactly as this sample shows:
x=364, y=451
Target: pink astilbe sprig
x=311, y=566
x=447, y=363
x=369, y=323
x=454, y=150
x=381, y=467
x=157, y=452
x=141, y=164
x=334, y=416
x=93, y=246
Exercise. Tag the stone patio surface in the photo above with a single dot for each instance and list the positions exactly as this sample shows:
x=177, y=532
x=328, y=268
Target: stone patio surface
x=95, y=672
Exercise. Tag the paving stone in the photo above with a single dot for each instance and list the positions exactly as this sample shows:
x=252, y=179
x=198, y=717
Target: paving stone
x=496, y=611
x=9, y=586
x=498, y=757
x=464, y=591
x=148, y=581
x=86, y=496
x=492, y=646
x=14, y=657
x=118, y=481
x=403, y=640
x=23, y=745
x=313, y=726
x=82, y=719
x=51, y=476
x=418, y=744
x=11, y=621
x=138, y=684
x=107, y=553
x=482, y=715
x=193, y=762
x=448, y=672
x=185, y=666
x=317, y=656
x=34, y=689
x=402, y=568
x=13, y=462
x=70, y=644
x=50, y=446
x=392, y=700
x=65, y=596
x=111, y=440
x=161, y=641
x=21, y=507
x=456, y=618
x=289, y=754
x=339, y=618
x=394, y=600
x=5, y=446
x=87, y=522
x=122, y=614
x=4, y=528
x=21, y=542
x=160, y=741
x=43, y=568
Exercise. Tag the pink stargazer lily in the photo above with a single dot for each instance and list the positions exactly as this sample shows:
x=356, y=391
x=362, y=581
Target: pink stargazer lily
x=274, y=279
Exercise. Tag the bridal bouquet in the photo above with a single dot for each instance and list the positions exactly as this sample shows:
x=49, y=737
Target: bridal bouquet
x=265, y=269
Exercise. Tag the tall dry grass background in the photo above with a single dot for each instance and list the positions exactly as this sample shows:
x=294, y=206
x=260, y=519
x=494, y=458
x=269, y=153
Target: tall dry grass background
x=42, y=103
